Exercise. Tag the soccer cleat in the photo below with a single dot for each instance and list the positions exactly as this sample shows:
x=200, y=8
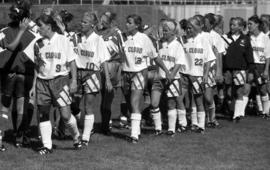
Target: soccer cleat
x=158, y=132
x=107, y=132
x=236, y=120
x=3, y=148
x=194, y=128
x=84, y=143
x=200, y=130
x=18, y=144
x=44, y=151
x=134, y=140
x=266, y=116
x=171, y=133
x=78, y=145
x=181, y=129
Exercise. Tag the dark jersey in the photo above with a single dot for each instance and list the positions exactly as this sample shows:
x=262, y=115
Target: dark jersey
x=17, y=61
x=239, y=53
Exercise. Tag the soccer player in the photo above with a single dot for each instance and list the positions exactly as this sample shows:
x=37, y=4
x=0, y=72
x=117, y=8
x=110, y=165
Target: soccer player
x=259, y=71
x=55, y=60
x=92, y=54
x=114, y=43
x=8, y=44
x=266, y=24
x=198, y=57
x=236, y=63
x=218, y=46
x=19, y=70
x=171, y=53
x=138, y=47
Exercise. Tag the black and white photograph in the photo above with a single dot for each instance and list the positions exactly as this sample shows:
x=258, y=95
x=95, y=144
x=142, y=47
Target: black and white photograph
x=134, y=84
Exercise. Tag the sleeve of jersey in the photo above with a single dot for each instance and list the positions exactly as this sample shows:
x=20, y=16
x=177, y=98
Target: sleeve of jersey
x=219, y=44
x=180, y=55
x=208, y=52
x=71, y=55
x=151, y=51
x=267, y=48
x=103, y=51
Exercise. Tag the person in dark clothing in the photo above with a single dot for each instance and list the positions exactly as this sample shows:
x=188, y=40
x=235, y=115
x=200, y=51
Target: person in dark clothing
x=236, y=62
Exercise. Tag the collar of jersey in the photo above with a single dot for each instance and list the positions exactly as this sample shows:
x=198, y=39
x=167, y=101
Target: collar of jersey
x=52, y=39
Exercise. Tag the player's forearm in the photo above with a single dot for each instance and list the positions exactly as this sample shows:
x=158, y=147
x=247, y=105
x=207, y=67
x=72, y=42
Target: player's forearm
x=175, y=69
x=267, y=62
x=219, y=63
x=206, y=68
x=160, y=63
x=73, y=70
x=106, y=70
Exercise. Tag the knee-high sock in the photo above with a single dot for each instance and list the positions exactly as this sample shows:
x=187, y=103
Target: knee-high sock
x=194, y=118
x=172, y=116
x=212, y=112
x=135, y=125
x=182, y=119
x=73, y=128
x=266, y=104
x=46, y=133
x=237, y=108
x=156, y=118
x=201, y=119
x=259, y=103
x=244, y=105
x=88, y=126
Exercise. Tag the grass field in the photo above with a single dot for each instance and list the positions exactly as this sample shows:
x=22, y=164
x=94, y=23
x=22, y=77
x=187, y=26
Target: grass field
x=244, y=145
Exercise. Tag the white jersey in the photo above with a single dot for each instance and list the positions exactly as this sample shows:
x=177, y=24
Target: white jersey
x=92, y=52
x=53, y=56
x=217, y=42
x=261, y=47
x=171, y=54
x=137, y=49
x=198, y=51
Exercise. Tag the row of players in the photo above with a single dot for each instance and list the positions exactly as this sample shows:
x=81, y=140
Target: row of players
x=58, y=67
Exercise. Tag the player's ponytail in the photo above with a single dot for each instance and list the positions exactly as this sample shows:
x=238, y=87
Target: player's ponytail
x=49, y=20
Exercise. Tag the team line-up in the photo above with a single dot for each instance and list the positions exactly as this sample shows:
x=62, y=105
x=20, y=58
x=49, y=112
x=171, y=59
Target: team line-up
x=180, y=66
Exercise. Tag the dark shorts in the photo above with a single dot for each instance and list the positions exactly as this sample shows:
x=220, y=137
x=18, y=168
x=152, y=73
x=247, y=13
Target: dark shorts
x=235, y=77
x=172, y=89
x=54, y=91
x=17, y=85
x=134, y=80
x=88, y=81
